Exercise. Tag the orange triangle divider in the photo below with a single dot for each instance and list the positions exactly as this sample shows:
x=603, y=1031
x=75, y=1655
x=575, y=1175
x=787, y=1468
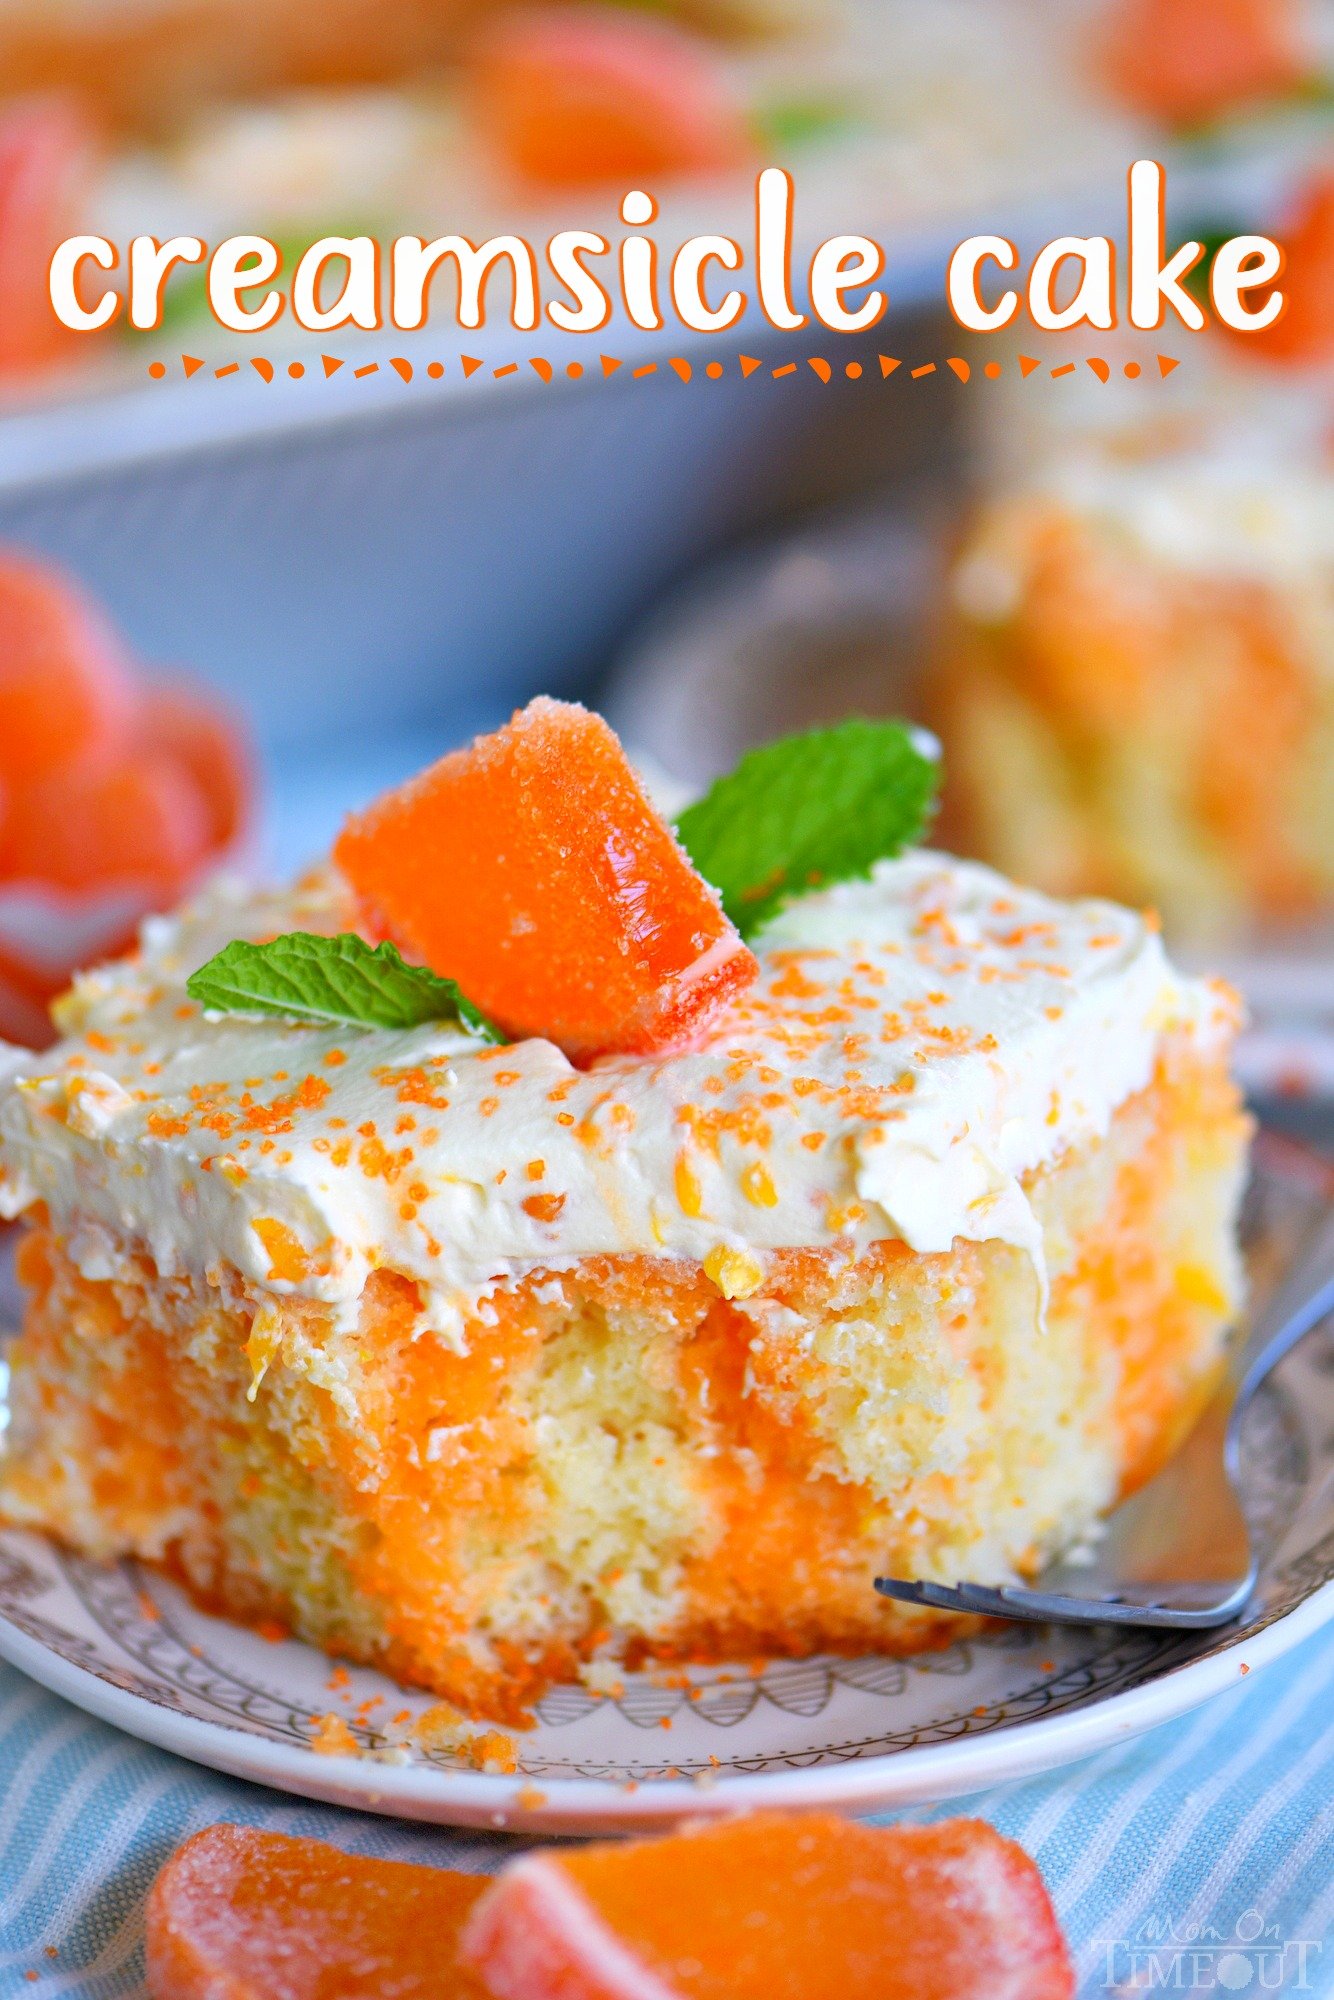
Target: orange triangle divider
x=959, y=366
x=820, y=366
x=471, y=363
x=680, y=366
x=1166, y=364
x=541, y=367
x=192, y=364
x=609, y=364
x=749, y=363
x=1101, y=368
x=401, y=366
x=331, y=364
x=888, y=364
x=1027, y=363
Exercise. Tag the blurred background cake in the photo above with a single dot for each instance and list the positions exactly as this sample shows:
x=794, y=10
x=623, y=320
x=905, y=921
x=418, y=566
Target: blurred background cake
x=1135, y=675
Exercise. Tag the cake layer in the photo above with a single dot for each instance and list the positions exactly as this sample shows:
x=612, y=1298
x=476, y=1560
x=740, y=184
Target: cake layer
x=915, y=1046
x=615, y=1459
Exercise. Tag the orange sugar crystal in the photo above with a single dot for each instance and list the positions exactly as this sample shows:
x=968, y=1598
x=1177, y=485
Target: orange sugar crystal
x=532, y=868
x=775, y=1907
x=237, y=1914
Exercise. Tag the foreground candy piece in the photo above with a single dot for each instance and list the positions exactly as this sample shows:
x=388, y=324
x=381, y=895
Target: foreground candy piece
x=237, y=1914
x=775, y=1907
x=46, y=164
x=569, y=97
x=1189, y=60
x=533, y=869
x=65, y=684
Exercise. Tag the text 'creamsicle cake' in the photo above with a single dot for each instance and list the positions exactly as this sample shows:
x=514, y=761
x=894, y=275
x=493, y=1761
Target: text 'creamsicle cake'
x=655, y=1236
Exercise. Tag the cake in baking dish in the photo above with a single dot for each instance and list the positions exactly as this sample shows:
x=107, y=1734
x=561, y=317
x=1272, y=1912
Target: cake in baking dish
x=459, y=1358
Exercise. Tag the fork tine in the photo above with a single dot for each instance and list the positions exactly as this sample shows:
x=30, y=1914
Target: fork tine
x=980, y=1600
x=935, y=1596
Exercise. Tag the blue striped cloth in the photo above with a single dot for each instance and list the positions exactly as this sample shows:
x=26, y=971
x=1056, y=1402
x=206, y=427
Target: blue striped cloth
x=1197, y=1859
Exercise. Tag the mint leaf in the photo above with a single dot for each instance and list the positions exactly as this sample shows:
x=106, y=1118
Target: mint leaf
x=809, y=810
x=787, y=124
x=309, y=978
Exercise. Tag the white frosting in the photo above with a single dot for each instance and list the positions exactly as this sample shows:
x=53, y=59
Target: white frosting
x=1223, y=516
x=914, y=1046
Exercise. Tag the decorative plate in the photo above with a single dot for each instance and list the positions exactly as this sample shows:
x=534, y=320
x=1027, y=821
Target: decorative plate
x=864, y=1733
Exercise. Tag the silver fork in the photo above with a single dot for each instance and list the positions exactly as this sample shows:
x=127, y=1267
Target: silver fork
x=1177, y=1552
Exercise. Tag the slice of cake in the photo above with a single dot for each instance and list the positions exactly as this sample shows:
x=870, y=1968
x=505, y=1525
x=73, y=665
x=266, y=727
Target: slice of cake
x=463, y=1360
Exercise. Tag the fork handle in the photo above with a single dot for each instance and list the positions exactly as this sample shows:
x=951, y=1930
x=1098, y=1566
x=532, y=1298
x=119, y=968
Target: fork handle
x=1302, y=1300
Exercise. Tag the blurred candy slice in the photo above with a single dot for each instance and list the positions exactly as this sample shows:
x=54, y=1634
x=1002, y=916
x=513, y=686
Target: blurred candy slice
x=128, y=816
x=775, y=1907
x=209, y=744
x=65, y=686
x=1186, y=61
x=579, y=96
x=533, y=869
x=46, y=160
x=237, y=1914
x=1303, y=334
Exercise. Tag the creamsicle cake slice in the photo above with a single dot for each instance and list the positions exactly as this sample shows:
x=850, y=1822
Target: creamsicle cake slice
x=463, y=1360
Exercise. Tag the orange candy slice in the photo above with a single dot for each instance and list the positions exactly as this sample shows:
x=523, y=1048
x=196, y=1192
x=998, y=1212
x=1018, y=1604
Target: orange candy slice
x=209, y=745
x=1188, y=60
x=571, y=97
x=775, y=1907
x=237, y=1914
x=533, y=869
x=46, y=156
x=1303, y=334
x=65, y=685
x=132, y=817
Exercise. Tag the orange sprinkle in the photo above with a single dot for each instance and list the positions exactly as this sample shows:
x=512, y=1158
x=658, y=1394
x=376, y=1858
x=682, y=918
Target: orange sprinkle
x=165, y=1125
x=543, y=1207
x=333, y=1738
x=689, y=1193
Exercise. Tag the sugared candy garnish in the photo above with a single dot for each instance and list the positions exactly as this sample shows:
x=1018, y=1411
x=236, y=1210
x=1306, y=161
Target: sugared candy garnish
x=65, y=684
x=238, y=1914
x=775, y=1907
x=133, y=817
x=104, y=782
x=1303, y=333
x=208, y=744
x=577, y=96
x=46, y=162
x=532, y=868
x=1185, y=61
